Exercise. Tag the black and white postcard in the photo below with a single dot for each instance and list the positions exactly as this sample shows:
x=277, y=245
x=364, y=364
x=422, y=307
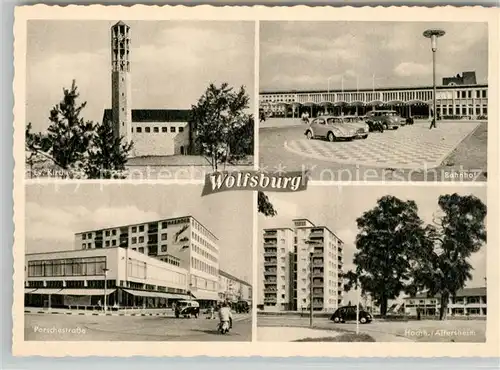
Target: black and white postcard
x=255, y=181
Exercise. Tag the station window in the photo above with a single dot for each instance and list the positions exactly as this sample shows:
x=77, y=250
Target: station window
x=172, y=129
x=181, y=129
x=164, y=129
x=138, y=129
x=156, y=129
x=147, y=129
x=141, y=239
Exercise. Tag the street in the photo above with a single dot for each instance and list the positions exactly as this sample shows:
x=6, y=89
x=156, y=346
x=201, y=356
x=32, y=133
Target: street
x=454, y=151
x=465, y=331
x=47, y=327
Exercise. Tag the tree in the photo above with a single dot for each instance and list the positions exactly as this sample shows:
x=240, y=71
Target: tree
x=108, y=155
x=387, y=242
x=218, y=121
x=68, y=135
x=264, y=206
x=76, y=145
x=454, y=236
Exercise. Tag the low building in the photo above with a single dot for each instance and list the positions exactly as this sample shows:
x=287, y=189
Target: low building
x=85, y=277
x=233, y=289
x=467, y=302
x=458, y=97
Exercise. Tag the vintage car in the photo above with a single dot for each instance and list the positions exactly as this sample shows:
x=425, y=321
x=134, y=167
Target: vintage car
x=331, y=128
x=187, y=309
x=379, y=120
x=348, y=313
x=359, y=123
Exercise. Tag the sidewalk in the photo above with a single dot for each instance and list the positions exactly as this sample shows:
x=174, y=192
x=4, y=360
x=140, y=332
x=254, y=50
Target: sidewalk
x=281, y=122
x=124, y=312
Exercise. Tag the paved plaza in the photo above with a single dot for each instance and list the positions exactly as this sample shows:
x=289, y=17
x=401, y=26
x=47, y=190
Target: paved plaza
x=454, y=151
x=60, y=327
x=409, y=147
x=465, y=331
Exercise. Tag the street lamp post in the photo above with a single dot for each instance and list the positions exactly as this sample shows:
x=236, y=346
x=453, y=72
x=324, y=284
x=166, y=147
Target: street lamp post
x=433, y=34
x=105, y=270
x=357, y=306
x=311, y=289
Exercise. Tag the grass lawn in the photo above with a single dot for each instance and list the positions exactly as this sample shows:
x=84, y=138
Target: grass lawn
x=471, y=153
x=346, y=337
x=178, y=160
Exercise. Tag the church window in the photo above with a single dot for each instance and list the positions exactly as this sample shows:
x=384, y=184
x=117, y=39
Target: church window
x=172, y=129
x=147, y=129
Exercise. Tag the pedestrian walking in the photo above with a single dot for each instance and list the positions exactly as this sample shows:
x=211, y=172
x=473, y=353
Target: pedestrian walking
x=433, y=123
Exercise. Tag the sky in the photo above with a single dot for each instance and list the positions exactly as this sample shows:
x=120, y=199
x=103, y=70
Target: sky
x=172, y=63
x=55, y=212
x=339, y=207
x=304, y=55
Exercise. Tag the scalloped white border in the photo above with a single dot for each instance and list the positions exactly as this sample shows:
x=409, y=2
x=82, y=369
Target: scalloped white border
x=254, y=13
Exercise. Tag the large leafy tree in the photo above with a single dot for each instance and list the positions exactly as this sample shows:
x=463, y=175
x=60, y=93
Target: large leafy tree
x=458, y=231
x=219, y=121
x=81, y=147
x=387, y=242
x=264, y=206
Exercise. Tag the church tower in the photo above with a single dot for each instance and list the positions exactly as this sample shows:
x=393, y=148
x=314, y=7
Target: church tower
x=120, y=81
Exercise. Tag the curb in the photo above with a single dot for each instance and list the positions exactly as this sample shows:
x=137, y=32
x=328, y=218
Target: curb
x=107, y=314
x=94, y=314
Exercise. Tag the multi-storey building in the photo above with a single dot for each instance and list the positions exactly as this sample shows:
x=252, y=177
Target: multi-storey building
x=233, y=289
x=278, y=245
x=291, y=256
x=467, y=302
x=181, y=241
x=455, y=98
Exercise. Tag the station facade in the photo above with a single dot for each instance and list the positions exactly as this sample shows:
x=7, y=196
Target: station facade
x=456, y=98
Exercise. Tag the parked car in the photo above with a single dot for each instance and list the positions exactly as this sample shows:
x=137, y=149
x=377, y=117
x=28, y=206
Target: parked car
x=362, y=127
x=348, y=313
x=187, y=309
x=385, y=119
x=331, y=128
x=242, y=307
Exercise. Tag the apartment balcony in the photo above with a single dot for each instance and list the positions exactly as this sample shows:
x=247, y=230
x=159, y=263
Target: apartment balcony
x=317, y=273
x=318, y=262
x=270, y=290
x=270, y=300
x=270, y=233
x=318, y=292
x=318, y=283
x=270, y=282
x=271, y=263
x=318, y=305
x=270, y=273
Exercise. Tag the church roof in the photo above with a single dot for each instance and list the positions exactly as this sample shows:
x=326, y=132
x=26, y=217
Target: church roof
x=154, y=115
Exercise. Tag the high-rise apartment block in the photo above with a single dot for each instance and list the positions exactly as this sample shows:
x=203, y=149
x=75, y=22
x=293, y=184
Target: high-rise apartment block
x=291, y=255
x=181, y=241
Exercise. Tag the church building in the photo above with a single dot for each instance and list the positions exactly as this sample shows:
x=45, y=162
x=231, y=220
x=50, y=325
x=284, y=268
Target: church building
x=154, y=132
